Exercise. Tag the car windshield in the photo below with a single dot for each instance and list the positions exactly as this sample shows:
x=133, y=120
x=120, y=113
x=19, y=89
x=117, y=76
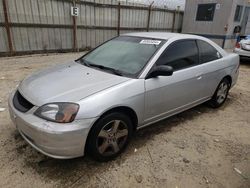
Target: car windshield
x=124, y=55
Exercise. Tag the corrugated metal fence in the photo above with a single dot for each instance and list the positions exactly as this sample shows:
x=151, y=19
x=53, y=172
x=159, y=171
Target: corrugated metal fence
x=38, y=26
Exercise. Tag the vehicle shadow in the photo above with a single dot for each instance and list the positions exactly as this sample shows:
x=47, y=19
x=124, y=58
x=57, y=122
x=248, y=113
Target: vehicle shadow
x=80, y=170
x=245, y=61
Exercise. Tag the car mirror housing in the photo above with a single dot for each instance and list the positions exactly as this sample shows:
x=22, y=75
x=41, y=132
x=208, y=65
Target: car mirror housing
x=161, y=70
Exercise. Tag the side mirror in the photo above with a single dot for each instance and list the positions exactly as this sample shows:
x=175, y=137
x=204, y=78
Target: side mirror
x=161, y=70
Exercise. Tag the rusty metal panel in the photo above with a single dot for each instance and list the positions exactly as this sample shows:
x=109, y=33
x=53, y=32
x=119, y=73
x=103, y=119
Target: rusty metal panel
x=92, y=21
x=45, y=39
x=12, y=11
x=83, y=42
x=88, y=35
x=63, y=31
x=49, y=12
x=3, y=38
x=57, y=39
x=61, y=13
x=81, y=18
x=38, y=38
x=66, y=12
x=20, y=11
x=69, y=38
x=55, y=13
x=16, y=36
x=48, y=25
x=35, y=11
x=33, y=38
x=25, y=39
x=1, y=12
x=42, y=11
x=27, y=11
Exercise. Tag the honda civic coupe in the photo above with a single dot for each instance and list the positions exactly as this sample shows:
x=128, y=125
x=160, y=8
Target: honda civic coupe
x=94, y=104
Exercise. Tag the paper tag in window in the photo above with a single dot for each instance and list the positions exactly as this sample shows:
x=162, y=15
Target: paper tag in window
x=155, y=42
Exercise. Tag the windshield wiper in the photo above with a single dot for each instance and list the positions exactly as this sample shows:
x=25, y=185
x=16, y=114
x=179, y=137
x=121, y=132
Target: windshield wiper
x=82, y=61
x=114, y=71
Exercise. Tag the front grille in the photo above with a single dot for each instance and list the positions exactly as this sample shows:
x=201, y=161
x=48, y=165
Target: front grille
x=20, y=103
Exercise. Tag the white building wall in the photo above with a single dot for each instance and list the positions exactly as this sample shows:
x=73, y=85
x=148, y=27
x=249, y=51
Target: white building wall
x=215, y=30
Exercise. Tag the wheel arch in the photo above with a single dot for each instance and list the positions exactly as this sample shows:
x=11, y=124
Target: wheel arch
x=125, y=110
x=229, y=78
x=122, y=109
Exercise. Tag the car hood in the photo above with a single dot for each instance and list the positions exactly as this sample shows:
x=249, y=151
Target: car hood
x=69, y=82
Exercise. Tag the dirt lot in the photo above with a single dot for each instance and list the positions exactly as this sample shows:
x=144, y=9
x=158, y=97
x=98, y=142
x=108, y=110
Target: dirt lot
x=198, y=148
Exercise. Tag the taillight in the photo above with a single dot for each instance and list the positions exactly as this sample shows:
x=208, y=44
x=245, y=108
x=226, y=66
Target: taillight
x=237, y=45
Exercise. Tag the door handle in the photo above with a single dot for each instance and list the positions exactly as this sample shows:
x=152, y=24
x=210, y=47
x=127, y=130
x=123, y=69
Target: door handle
x=199, y=76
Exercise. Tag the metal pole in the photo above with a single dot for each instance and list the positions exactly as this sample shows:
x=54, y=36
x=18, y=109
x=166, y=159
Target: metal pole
x=149, y=13
x=7, y=27
x=119, y=18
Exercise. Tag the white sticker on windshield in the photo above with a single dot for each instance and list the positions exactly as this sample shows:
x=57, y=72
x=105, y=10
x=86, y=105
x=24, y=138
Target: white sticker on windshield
x=155, y=42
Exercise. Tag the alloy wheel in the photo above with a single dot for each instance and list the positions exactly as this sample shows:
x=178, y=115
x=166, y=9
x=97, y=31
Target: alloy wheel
x=112, y=137
x=222, y=92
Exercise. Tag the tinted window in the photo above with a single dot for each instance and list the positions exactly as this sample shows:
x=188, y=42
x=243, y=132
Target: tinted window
x=238, y=13
x=207, y=52
x=205, y=12
x=180, y=55
x=125, y=54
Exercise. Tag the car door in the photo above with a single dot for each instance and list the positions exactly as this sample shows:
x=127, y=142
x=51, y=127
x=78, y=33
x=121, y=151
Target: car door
x=212, y=67
x=167, y=95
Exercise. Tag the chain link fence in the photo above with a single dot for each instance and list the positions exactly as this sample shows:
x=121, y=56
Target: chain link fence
x=168, y=4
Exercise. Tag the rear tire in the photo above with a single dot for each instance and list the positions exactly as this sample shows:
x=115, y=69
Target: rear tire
x=109, y=136
x=220, y=94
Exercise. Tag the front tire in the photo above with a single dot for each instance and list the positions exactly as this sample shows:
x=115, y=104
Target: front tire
x=109, y=136
x=220, y=94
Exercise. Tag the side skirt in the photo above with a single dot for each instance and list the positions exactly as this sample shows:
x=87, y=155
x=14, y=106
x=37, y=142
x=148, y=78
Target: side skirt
x=173, y=113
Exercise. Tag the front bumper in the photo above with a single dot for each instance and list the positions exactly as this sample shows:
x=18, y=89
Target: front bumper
x=242, y=52
x=56, y=140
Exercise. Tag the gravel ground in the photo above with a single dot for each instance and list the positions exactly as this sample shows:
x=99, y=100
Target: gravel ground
x=201, y=147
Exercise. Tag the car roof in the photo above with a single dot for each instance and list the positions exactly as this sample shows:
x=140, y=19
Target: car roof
x=175, y=36
x=162, y=35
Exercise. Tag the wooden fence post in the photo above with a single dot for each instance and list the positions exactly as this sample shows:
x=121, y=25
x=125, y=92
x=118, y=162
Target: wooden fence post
x=119, y=18
x=173, y=24
x=7, y=27
x=149, y=13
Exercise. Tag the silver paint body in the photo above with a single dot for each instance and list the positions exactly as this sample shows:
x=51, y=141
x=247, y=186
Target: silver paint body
x=98, y=92
x=245, y=48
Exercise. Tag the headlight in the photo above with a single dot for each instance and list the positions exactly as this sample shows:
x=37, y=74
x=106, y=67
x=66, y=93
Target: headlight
x=58, y=112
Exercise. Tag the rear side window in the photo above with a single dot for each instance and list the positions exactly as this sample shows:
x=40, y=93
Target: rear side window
x=180, y=55
x=207, y=52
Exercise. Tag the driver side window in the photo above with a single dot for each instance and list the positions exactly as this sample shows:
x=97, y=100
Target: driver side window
x=180, y=55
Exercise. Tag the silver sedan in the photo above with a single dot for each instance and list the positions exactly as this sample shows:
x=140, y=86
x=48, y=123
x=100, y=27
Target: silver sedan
x=243, y=47
x=93, y=105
